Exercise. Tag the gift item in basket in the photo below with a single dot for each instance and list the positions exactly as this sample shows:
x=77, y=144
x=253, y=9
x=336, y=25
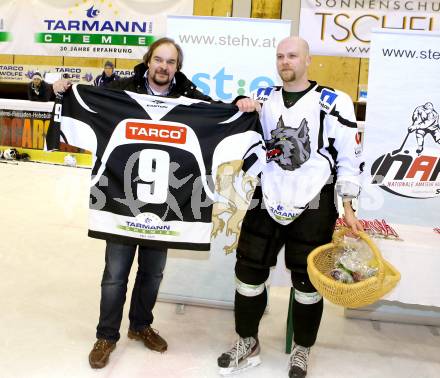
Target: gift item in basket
x=354, y=262
x=323, y=260
x=342, y=275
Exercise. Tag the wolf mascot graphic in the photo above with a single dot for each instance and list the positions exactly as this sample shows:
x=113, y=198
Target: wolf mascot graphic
x=289, y=147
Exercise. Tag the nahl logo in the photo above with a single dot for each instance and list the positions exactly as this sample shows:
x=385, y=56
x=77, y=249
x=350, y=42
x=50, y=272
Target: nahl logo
x=415, y=173
x=155, y=132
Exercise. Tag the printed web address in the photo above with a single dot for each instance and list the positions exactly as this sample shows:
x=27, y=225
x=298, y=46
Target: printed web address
x=412, y=54
x=356, y=49
x=227, y=40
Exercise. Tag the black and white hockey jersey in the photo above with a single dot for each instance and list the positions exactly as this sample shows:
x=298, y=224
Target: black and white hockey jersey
x=154, y=159
x=307, y=144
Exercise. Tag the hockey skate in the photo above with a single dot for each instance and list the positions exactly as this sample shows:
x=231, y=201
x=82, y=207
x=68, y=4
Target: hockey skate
x=298, y=361
x=242, y=356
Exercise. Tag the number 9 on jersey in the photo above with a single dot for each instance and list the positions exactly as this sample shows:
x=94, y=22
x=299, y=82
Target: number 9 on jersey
x=154, y=168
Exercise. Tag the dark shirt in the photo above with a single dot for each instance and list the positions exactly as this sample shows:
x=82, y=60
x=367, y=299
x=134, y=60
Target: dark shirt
x=290, y=98
x=103, y=80
x=43, y=93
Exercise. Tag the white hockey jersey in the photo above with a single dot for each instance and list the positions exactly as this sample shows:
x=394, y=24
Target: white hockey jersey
x=307, y=144
x=154, y=160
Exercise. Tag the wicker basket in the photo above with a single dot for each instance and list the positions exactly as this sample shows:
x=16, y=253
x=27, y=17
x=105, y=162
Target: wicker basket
x=322, y=259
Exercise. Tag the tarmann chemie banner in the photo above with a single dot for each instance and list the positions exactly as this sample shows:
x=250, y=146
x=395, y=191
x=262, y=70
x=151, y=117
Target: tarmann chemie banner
x=402, y=131
x=100, y=28
x=343, y=27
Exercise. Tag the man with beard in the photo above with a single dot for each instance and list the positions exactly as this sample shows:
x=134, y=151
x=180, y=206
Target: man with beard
x=310, y=133
x=158, y=75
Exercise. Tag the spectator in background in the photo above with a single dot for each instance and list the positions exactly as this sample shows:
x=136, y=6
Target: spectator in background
x=107, y=76
x=38, y=89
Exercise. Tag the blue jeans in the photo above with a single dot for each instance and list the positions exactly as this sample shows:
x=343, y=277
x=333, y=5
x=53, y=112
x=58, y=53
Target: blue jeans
x=118, y=261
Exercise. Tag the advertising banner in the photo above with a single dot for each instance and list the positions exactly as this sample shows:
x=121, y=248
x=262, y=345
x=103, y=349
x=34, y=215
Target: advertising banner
x=402, y=132
x=343, y=27
x=19, y=73
x=27, y=129
x=6, y=16
x=24, y=124
x=402, y=155
x=226, y=57
x=116, y=28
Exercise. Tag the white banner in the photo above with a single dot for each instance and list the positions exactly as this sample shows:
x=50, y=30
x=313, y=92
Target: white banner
x=226, y=57
x=6, y=16
x=402, y=132
x=343, y=27
x=105, y=28
x=402, y=152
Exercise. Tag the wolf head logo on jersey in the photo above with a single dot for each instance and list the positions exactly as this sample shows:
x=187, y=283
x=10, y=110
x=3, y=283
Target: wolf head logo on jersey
x=289, y=147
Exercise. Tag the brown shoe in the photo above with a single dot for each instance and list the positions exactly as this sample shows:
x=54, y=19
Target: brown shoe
x=150, y=337
x=100, y=353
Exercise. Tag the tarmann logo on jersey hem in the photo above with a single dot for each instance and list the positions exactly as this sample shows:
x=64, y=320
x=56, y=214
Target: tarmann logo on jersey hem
x=155, y=132
x=283, y=215
x=148, y=230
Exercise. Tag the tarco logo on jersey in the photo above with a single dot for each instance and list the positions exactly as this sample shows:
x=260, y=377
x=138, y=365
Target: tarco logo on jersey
x=155, y=132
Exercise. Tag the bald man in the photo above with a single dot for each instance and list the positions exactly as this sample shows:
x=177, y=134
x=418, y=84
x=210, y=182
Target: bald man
x=310, y=134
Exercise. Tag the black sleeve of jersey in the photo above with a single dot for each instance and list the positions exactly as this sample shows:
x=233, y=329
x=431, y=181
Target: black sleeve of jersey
x=126, y=83
x=54, y=131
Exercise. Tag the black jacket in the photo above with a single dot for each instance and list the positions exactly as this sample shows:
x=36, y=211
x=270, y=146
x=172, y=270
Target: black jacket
x=136, y=83
x=103, y=80
x=44, y=92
